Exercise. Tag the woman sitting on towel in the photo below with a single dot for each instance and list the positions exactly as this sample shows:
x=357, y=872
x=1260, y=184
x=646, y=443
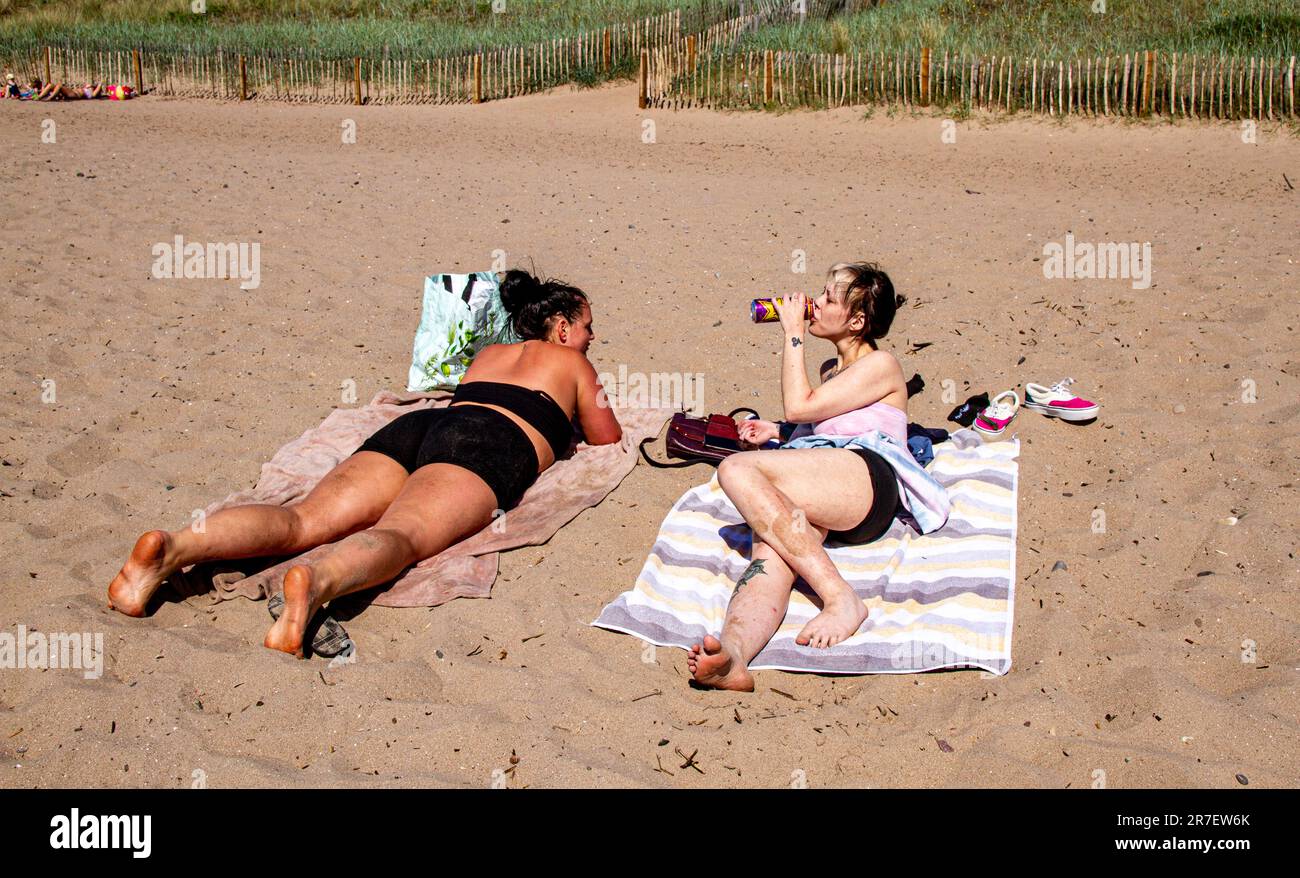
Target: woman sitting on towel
x=423, y=482
x=795, y=498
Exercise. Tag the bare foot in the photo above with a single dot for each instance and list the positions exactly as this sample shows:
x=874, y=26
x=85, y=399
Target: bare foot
x=838, y=620
x=717, y=669
x=140, y=576
x=288, y=631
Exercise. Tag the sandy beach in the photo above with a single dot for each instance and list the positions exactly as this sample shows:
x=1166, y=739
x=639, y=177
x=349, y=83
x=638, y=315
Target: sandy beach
x=1166, y=653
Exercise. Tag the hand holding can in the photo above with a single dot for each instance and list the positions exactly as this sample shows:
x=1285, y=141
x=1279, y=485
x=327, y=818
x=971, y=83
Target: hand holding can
x=764, y=310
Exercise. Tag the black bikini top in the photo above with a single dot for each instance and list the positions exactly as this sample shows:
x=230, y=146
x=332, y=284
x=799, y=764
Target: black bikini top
x=534, y=406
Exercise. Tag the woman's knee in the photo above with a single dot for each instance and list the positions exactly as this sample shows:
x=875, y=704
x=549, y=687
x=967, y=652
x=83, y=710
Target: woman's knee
x=416, y=539
x=737, y=469
x=306, y=530
x=397, y=540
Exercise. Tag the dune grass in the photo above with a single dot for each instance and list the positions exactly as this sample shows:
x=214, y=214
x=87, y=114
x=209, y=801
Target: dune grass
x=327, y=28
x=429, y=28
x=434, y=28
x=1050, y=28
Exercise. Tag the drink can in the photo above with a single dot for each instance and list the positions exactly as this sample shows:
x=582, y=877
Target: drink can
x=764, y=310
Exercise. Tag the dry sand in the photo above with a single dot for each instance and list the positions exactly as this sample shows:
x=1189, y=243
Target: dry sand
x=171, y=393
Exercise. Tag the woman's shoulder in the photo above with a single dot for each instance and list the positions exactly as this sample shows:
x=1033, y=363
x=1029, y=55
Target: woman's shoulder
x=535, y=354
x=878, y=364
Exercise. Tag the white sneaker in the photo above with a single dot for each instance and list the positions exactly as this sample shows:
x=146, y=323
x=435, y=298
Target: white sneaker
x=998, y=414
x=1057, y=402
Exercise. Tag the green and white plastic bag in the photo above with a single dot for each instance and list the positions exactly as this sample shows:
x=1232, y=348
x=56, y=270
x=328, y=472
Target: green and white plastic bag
x=462, y=315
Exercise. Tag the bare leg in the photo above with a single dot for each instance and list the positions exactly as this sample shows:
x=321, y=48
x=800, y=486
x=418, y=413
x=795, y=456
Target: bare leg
x=753, y=615
x=785, y=496
x=439, y=505
x=351, y=496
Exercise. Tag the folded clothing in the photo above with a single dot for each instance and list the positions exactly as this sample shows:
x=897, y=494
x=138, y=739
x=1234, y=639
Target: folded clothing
x=922, y=449
x=934, y=434
x=921, y=442
x=966, y=413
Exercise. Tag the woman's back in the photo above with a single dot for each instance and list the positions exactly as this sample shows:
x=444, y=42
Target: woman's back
x=539, y=365
x=562, y=373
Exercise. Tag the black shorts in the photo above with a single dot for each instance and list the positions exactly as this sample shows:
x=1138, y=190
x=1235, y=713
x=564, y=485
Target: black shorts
x=478, y=439
x=884, y=503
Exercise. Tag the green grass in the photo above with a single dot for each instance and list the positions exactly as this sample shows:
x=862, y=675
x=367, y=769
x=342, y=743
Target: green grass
x=433, y=28
x=1051, y=28
x=332, y=28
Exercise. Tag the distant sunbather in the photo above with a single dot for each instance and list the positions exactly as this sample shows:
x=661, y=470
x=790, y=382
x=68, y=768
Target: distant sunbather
x=17, y=92
x=57, y=91
x=423, y=482
x=794, y=498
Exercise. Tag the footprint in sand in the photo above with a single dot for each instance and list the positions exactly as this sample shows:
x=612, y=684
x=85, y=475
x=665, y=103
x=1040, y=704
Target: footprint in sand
x=47, y=490
x=84, y=455
x=114, y=504
x=81, y=573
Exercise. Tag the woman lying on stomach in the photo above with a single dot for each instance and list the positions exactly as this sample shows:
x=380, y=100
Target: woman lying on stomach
x=423, y=482
x=837, y=477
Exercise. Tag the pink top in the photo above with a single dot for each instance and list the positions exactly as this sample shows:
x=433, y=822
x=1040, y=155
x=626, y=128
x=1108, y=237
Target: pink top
x=877, y=416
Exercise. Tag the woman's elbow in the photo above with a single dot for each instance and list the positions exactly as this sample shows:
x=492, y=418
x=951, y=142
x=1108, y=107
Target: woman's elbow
x=611, y=436
x=602, y=434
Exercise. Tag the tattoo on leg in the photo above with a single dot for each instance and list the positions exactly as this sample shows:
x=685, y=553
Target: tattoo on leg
x=755, y=567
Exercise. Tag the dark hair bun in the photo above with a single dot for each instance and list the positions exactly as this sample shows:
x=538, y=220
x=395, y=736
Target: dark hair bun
x=520, y=289
x=533, y=304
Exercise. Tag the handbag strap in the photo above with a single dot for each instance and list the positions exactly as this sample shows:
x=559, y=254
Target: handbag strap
x=671, y=465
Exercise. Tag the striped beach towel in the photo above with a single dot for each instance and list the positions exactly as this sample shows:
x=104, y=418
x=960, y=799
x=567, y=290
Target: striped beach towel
x=937, y=600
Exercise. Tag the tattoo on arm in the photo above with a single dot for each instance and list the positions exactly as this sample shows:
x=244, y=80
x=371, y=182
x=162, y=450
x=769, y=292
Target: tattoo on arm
x=795, y=341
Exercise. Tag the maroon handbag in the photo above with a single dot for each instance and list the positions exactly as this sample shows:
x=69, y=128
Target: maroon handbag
x=698, y=440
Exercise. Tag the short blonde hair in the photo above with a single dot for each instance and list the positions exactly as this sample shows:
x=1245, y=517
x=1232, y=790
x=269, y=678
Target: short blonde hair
x=869, y=292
